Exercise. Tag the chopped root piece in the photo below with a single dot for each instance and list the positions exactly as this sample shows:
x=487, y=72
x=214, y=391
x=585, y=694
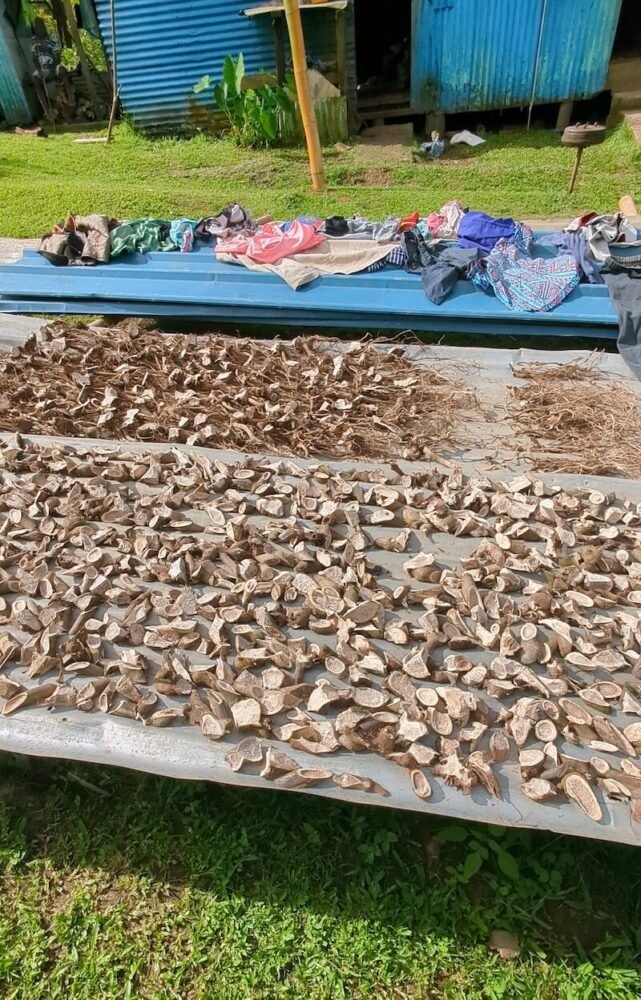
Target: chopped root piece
x=358, y=784
x=578, y=791
x=420, y=784
x=538, y=789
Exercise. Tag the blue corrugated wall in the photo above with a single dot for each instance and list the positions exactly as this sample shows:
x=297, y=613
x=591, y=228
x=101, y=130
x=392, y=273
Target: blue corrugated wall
x=481, y=54
x=163, y=47
x=576, y=48
x=13, y=99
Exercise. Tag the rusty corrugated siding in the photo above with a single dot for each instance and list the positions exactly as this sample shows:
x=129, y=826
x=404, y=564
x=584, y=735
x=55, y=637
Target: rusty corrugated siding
x=481, y=54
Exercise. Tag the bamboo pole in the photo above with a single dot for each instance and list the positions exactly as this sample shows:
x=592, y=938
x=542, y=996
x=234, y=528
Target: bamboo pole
x=299, y=60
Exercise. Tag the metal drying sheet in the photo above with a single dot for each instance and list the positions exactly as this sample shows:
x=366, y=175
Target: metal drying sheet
x=183, y=752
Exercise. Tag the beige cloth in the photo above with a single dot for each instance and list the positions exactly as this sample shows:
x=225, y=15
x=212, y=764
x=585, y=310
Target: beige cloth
x=329, y=257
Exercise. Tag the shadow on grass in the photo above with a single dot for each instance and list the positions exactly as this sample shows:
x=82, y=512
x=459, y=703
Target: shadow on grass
x=564, y=898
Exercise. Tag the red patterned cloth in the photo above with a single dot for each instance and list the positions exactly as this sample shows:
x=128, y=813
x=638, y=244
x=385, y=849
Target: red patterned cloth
x=270, y=244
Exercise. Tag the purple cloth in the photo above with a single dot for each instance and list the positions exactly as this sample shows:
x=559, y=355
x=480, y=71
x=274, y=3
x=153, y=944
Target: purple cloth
x=481, y=231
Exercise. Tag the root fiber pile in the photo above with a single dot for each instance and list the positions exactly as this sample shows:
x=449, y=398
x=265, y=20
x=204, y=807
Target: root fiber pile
x=310, y=396
x=578, y=419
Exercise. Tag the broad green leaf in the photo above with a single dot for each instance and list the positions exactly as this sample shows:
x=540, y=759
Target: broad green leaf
x=220, y=96
x=284, y=101
x=203, y=84
x=508, y=865
x=452, y=835
x=472, y=865
x=269, y=123
x=229, y=75
x=240, y=73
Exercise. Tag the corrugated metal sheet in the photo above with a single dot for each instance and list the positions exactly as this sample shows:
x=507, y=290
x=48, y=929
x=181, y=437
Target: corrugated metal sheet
x=476, y=54
x=13, y=100
x=196, y=285
x=576, y=46
x=163, y=47
x=181, y=751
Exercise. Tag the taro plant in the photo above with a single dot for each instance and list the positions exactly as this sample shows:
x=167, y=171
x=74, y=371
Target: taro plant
x=255, y=115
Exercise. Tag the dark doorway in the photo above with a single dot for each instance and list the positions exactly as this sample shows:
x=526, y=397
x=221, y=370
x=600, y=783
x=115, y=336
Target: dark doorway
x=628, y=36
x=383, y=51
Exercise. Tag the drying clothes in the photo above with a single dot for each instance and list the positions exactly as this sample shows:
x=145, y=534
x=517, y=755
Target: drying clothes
x=182, y=233
x=359, y=228
x=310, y=220
x=448, y=265
x=440, y=265
x=625, y=292
x=624, y=258
x=270, y=244
x=524, y=283
x=395, y=258
x=142, y=235
x=232, y=219
x=408, y=222
x=444, y=224
x=601, y=231
x=416, y=251
x=80, y=239
x=329, y=257
x=576, y=244
x=45, y=53
x=476, y=229
x=336, y=226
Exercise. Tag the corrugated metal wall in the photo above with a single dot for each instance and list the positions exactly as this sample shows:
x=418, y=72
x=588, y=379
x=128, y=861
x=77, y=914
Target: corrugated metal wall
x=481, y=54
x=163, y=47
x=13, y=100
x=576, y=48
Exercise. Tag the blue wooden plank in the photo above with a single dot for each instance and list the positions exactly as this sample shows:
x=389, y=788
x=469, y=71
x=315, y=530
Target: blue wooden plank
x=359, y=296
x=198, y=286
x=508, y=326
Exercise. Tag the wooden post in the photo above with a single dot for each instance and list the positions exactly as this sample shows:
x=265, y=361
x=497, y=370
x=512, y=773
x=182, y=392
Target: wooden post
x=575, y=168
x=564, y=116
x=341, y=52
x=299, y=59
x=279, y=48
x=82, y=56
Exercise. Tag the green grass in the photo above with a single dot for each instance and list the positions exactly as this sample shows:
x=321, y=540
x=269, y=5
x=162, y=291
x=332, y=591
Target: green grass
x=519, y=173
x=155, y=889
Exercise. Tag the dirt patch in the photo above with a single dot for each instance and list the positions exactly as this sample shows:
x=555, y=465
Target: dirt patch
x=377, y=177
x=385, y=144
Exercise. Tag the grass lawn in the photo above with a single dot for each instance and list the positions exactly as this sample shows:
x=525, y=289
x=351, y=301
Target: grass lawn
x=517, y=173
x=138, y=887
